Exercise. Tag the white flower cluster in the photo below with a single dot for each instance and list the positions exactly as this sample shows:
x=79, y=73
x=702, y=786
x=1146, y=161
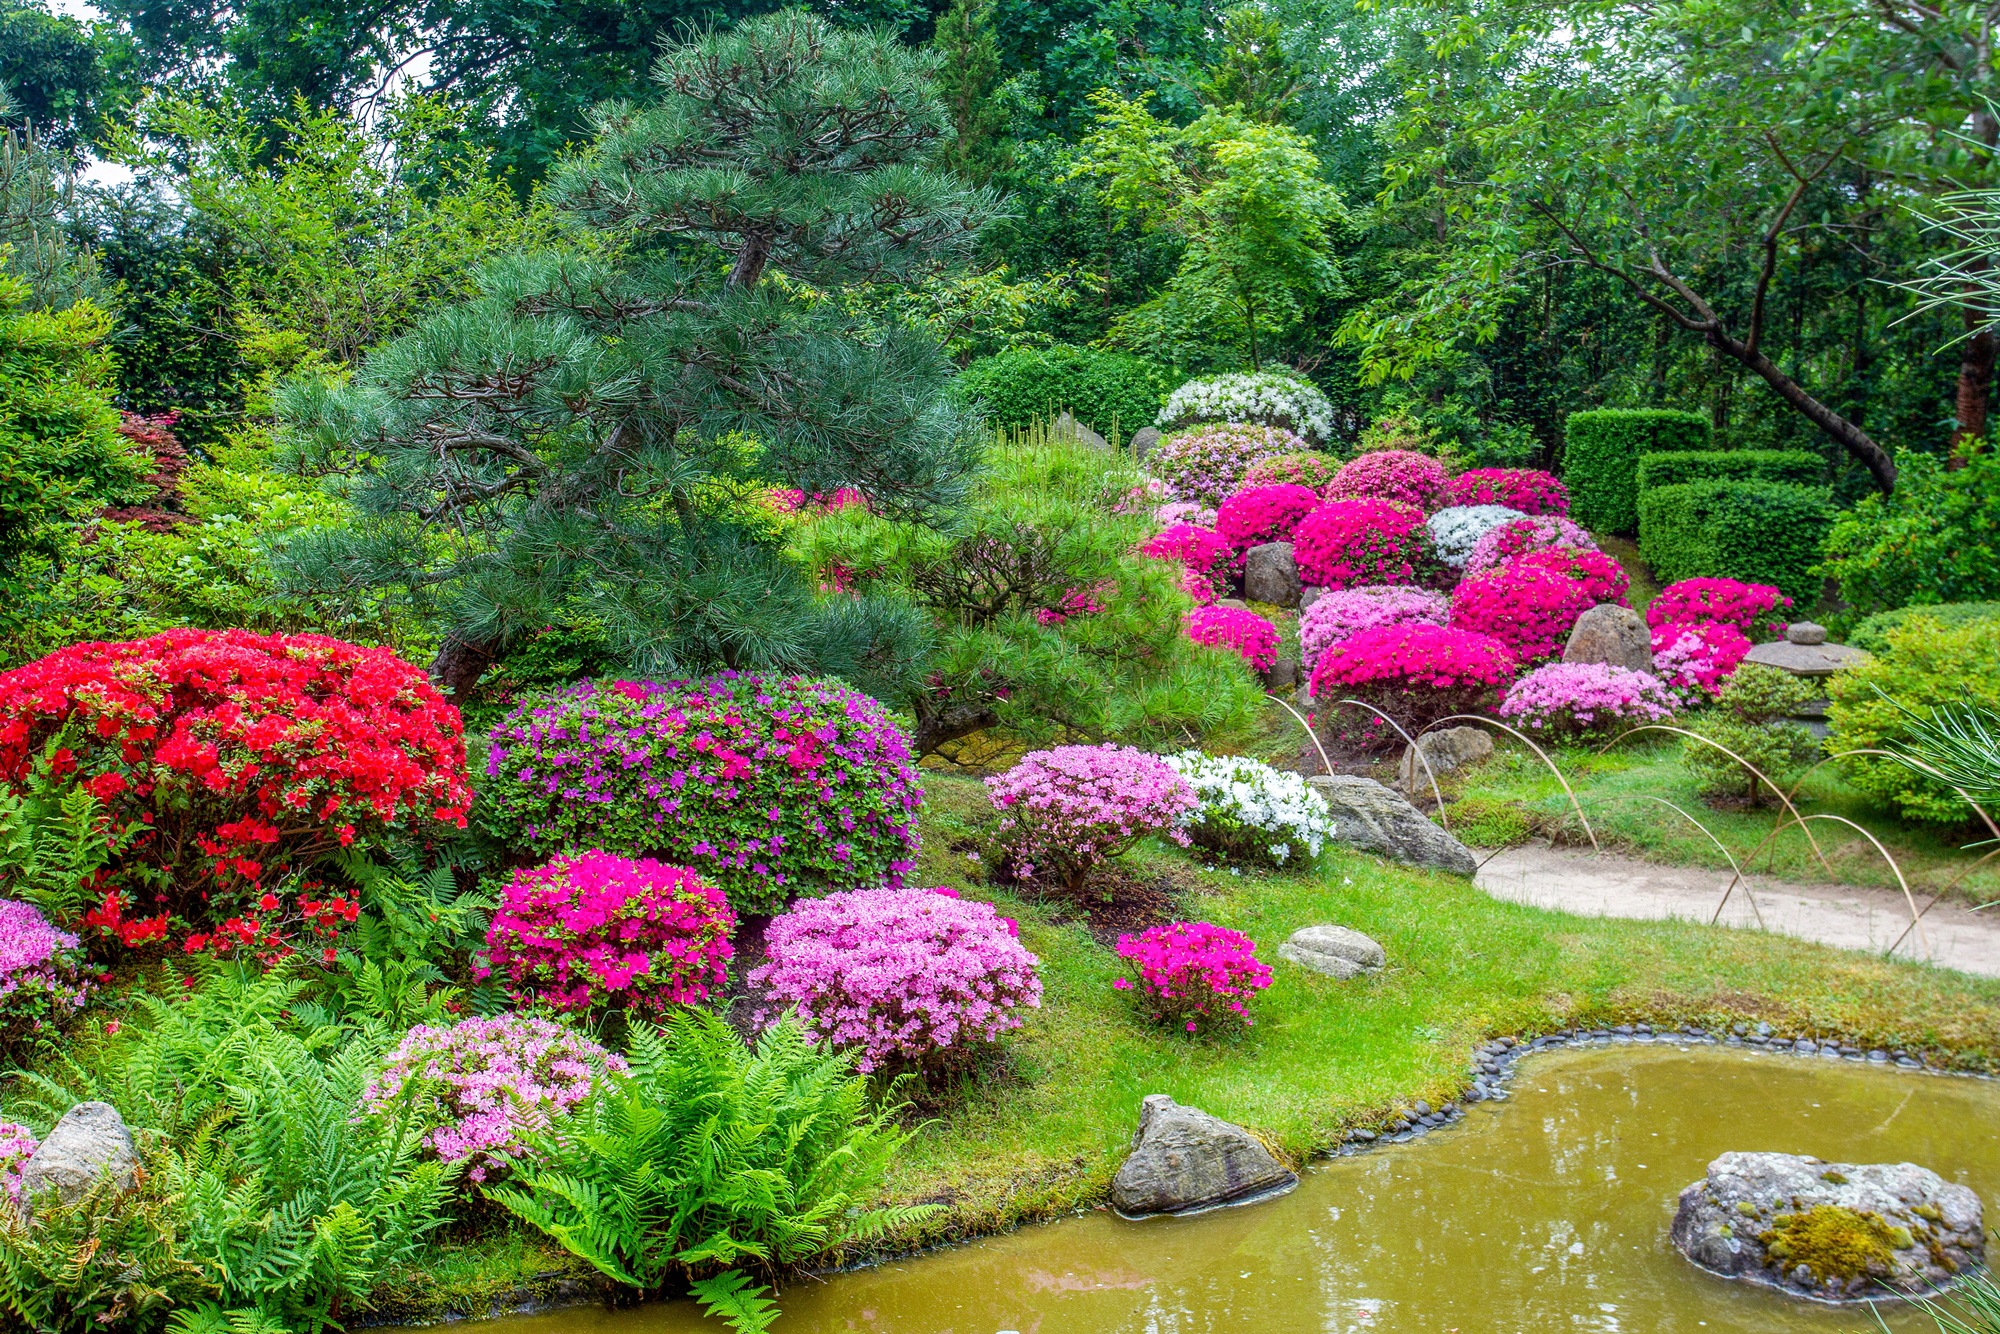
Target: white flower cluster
x=1251, y=810
x=1455, y=531
x=1267, y=398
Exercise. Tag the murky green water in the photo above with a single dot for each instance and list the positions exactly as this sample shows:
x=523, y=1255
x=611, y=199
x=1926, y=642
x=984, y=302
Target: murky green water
x=1548, y=1212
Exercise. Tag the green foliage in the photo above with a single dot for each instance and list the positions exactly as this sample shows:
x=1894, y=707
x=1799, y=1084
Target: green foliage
x=52, y=69
x=1872, y=634
x=731, y=1297
x=968, y=79
x=1485, y=822
x=1937, y=539
x=1759, y=532
x=1794, y=466
x=37, y=201
x=1601, y=453
x=1752, y=718
x=1959, y=744
x=1758, y=693
x=54, y=839
x=1110, y=391
x=1881, y=703
x=1255, y=74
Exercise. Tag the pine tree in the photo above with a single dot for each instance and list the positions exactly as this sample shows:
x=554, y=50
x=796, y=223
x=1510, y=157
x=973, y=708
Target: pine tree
x=968, y=79
x=590, y=434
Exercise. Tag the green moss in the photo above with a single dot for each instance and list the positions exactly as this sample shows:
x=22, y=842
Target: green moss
x=1747, y=1209
x=1483, y=822
x=1837, y=1178
x=1833, y=1242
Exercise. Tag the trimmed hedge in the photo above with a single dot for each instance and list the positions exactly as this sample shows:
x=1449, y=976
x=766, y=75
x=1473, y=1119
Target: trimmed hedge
x=1873, y=633
x=1759, y=532
x=1796, y=466
x=1601, y=453
x=1099, y=388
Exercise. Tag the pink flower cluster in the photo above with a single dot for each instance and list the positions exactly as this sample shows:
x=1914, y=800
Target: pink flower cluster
x=1529, y=490
x=1528, y=609
x=1253, y=637
x=1698, y=656
x=1337, y=617
x=1518, y=538
x=1202, y=552
x=1264, y=514
x=41, y=977
x=1602, y=577
x=1348, y=542
x=1067, y=810
x=1209, y=463
x=1401, y=475
x=907, y=976
x=17, y=1145
x=1194, y=975
x=1417, y=674
x=483, y=1084
x=1755, y=610
x=790, y=500
x=1182, y=511
x=1077, y=602
x=593, y=930
x=1312, y=470
x=1572, y=698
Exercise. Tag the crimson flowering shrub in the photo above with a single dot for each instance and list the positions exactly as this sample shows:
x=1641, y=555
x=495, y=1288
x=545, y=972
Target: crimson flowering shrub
x=1502, y=544
x=1755, y=610
x=1401, y=475
x=1208, y=463
x=41, y=976
x=1344, y=543
x=1067, y=810
x=1193, y=975
x=1337, y=617
x=910, y=977
x=1309, y=469
x=1602, y=577
x=1698, y=657
x=1576, y=698
x=482, y=1086
x=1417, y=674
x=595, y=931
x=1205, y=554
x=1264, y=514
x=1529, y=490
x=768, y=786
x=790, y=500
x=1254, y=638
x=1529, y=610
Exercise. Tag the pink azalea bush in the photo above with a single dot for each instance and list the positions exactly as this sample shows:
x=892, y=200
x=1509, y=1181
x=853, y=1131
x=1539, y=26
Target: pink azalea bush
x=1253, y=637
x=1574, y=698
x=1602, y=577
x=1417, y=674
x=1209, y=463
x=1529, y=490
x=1530, y=610
x=1202, y=552
x=1067, y=810
x=594, y=930
x=1401, y=475
x=41, y=975
x=1518, y=538
x=1345, y=543
x=1309, y=469
x=1337, y=617
x=17, y=1145
x=1264, y=514
x=910, y=977
x=1698, y=657
x=1755, y=610
x=1193, y=975
x=483, y=1085
x=1183, y=511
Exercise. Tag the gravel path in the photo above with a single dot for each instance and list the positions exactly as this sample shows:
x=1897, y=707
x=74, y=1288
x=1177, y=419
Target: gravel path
x=1608, y=885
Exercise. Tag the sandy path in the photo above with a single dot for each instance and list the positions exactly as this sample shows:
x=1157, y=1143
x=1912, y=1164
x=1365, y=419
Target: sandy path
x=1608, y=885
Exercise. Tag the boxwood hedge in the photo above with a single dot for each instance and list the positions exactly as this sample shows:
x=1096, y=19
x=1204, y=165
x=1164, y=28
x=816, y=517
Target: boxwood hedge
x=1103, y=390
x=1760, y=532
x=1601, y=455
x=1797, y=466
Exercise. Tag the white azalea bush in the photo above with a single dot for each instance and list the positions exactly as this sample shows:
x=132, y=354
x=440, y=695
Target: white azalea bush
x=1456, y=530
x=1267, y=398
x=1252, y=812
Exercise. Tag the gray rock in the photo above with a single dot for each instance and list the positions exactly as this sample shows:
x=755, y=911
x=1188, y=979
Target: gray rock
x=1449, y=749
x=1916, y=1230
x=1370, y=816
x=1337, y=951
x=1069, y=428
x=1611, y=634
x=1284, y=674
x=1812, y=660
x=1805, y=632
x=1183, y=1160
x=1237, y=603
x=1309, y=595
x=1143, y=441
x=89, y=1144
x=1271, y=575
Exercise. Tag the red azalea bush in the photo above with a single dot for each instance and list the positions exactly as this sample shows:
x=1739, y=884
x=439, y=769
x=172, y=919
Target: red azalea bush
x=1602, y=577
x=1417, y=674
x=1529, y=610
x=1264, y=514
x=1755, y=610
x=1253, y=637
x=1345, y=543
x=1698, y=657
x=1202, y=552
x=1194, y=975
x=594, y=931
x=1401, y=475
x=1502, y=544
x=1529, y=490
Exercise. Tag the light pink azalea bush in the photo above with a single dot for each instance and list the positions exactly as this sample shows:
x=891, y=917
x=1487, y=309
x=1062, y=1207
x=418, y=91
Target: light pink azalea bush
x=1529, y=610
x=908, y=977
x=483, y=1085
x=1529, y=490
x=1254, y=638
x=1576, y=698
x=1067, y=810
x=1757, y=611
x=17, y=1145
x=1401, y=475
x=1345, y=543
x=1602, y=577
x=1264, y=514
x=1518, y=538
x=1193, y=976
x=1338, y=616
x=1182, y=511
x=1209, y=463
x=1203, y=553
x=1417, y=674
x=1697, y=659
x=595, y=931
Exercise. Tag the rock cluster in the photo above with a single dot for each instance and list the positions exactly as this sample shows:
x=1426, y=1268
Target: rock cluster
x=1183, y=1161
x=1371, y=817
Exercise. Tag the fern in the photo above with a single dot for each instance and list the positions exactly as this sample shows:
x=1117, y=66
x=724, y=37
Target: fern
x=54, y=839
x=731, y=1297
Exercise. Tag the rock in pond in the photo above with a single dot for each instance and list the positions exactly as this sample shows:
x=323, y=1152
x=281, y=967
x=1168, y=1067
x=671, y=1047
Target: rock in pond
x=1452, y=748
x=1370, y=816
x=1612, y=634
x=1270, y=574
x=87, y=1145
x=1183, y=1160
x=1337, y=951
x=1829, y=1231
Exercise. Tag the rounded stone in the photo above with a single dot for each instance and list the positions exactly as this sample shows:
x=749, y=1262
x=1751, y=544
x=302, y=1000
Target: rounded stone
x=1805, y=632
x=1336, y=951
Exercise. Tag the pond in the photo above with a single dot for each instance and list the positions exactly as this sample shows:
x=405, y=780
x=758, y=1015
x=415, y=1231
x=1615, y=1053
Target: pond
x=1546, y=1212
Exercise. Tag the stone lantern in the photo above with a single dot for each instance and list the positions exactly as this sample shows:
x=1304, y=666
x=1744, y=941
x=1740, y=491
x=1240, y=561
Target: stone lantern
x=1804, y=652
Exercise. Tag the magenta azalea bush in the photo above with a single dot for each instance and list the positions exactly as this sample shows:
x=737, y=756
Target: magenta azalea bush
x=17, y=1145
x=1529, y=490
x=1254, y=638
x=595, y=931
x=1264, y=514
x=484, y=1085
x=1401, y=475
x=1698, y=657
x=1345, y=543
x=41, y=975
x=1529, y=610
x=909, y=977
x=1193, y=976
x=1575, y=698
x=1204, y=554
x=1310, y=469
x=1755, y=610
x=1417, y=674
x=769, y=786
x=1602, y=577
x=1209, y=463
x=1067, y=810
x=1337, y=617
x=1502, y=544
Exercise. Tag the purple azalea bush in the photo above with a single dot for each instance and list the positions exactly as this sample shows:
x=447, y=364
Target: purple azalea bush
x=1209, y=463
x=1068, y=810
x=1194, y=975
x=1576, y=698
x=1338, y=616
x=41, y=975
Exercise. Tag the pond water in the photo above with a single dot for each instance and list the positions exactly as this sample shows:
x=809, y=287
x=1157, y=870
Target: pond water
x=1546, y=1212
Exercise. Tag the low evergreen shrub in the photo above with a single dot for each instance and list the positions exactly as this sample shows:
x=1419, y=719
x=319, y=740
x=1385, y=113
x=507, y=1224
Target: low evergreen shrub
x=1878, y=702
x=1758, y=532
x=1795, y=466
x=1106, y=391
x=1601, y=459
x=1751, y=718
x=1872, y=633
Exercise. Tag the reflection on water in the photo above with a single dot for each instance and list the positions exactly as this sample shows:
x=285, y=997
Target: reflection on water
x=1548, y=1212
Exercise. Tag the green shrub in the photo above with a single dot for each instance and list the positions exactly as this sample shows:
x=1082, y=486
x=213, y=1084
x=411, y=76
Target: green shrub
x=1796, y=466
x=1759, y=532
x=1923, y=663
x=1937, y=539
x=1486, y=822
x=1752, y=718
x=1104, y=390
x=1601, y=453
x=1872, y=633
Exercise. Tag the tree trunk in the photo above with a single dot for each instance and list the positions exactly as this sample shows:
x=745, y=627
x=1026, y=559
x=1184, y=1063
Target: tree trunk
x=750, y=261
x=1975, y=386
x=935, y=729
x=1843, y=432
x=460, y=663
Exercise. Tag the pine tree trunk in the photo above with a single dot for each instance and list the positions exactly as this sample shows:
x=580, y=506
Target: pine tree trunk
x=460, y=663
x=1975, y=386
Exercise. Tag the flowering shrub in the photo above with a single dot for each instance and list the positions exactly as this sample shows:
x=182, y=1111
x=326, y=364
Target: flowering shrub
x=1264, y=397
x=483, y=1085
x=41, y=979
x=1264, y=514
x=1698, y=657
x=1067, y=810
x=1253, y=637
x=1602, y=577
x=1416, y=674
x=1308, y=469
x=909, y=976
x=1202, y=552
x=1339, y=616
x=1182, y=511
x=768, y=786
x=1076, y=602
x=1455, y=530
x=1756, y=610
x=1193, y=975
x=17, y=1145
x=791, y=500
x=1529, y=490
x=1251, y=811
x=1502, y=544
x=593, y=931
x=1402, y=475
x=1530, y=610
x=1348, y=542
x=1208, y=464
x=1573, y=698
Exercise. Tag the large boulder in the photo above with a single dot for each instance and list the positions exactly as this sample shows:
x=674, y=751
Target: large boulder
x=89, y=1144
x=1143, y=441
x=1830, y=1231
x=1183, y=1160
x=1373, y=818
x=1271, y=575
x=1069, y=428
x=1308, y=596
x=1448, y=749
x=1611, y=634
x=1336, y=951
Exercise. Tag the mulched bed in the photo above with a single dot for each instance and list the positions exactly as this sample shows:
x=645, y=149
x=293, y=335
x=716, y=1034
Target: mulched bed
x=1116, y=901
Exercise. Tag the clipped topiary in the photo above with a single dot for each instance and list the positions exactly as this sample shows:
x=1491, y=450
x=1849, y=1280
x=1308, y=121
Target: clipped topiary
x=1924, y=662
x=1758, y=532
x=1601, y=453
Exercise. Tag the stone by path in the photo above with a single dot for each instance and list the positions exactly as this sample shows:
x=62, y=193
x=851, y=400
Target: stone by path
x=1608, y=885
